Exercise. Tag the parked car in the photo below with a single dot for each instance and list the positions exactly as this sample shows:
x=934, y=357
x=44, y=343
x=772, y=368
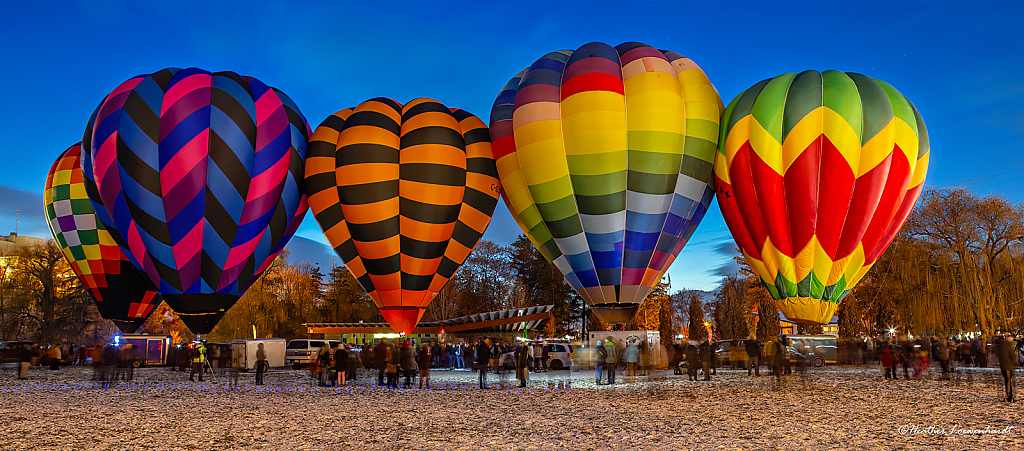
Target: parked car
x=9, y=350
x=721, y=348
x=817, y=349
x=302, y=351
x=558, y=357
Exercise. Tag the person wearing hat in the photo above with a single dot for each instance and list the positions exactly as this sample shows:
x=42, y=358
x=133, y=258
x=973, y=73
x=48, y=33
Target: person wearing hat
x=612, y=359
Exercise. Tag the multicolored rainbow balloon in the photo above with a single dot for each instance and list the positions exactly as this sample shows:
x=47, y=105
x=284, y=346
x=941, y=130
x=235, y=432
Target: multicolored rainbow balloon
x=122, y=294
x=605, y=156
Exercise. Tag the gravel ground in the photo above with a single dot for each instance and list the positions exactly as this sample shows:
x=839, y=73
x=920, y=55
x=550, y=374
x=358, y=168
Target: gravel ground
x=830, y=408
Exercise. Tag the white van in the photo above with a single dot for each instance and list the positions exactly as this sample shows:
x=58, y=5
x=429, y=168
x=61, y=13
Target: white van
x=302, y=351
x=245, y=351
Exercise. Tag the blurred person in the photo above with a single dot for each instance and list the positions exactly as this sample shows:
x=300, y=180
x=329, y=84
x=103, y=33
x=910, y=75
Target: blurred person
x=706, y=355
x=676, y=353
x=54, y=355
x=469, y=355
x=611, y=360
x=214, y=359
x=888, y=369
x=236, y=366
x=753, y=348
x=423, y=361
x=522, y=356
x=323, y=363
x=976, y=351
x=366, y=357
x=631, y=356
x=770, y=349
x=353, y=363
x=408, y=363
x=942, y=355
x=83, y=352
x=645, y=357
x=128, y=356
x=111, y=360
x=600, y=354
x=483, y=356
x=24, y=354
x=380, y=357
x=184, y=357
x=496, y=352
x=225, y=360
x=544, y=356
x=261, y=364
x=96, y=354
x=921, y=364
x=963, y=352
x=692, y=361
x=1006, y=350
x=736, y=360
x=392, y=359
x=786, y=355
x=340, y=364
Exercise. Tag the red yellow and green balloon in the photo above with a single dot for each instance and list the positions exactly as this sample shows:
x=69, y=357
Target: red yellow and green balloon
x=815, y=175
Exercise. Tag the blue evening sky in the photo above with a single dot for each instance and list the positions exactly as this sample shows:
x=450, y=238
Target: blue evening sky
x=961, y=63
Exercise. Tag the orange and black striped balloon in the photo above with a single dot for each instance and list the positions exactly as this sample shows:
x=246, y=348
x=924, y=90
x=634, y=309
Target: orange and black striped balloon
x=403, y=193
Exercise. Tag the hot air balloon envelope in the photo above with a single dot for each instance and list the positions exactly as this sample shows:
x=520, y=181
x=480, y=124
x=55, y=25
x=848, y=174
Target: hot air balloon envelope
x=198, y=176
x=122, y=294
x=403, y=193
x=817, y=173
x=605, y=156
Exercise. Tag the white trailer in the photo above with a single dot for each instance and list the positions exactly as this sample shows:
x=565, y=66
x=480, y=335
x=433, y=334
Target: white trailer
x=244, y=350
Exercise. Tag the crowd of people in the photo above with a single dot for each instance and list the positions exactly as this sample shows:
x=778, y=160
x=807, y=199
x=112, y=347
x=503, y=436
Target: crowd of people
x=391, y=361
x=403, y=359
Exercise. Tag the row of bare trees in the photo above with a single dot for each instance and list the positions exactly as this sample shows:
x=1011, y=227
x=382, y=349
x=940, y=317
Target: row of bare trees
x=954, y=268
x=42, y=300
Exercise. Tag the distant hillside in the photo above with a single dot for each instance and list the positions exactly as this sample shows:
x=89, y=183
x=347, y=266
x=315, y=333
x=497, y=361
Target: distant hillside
x=306, y=250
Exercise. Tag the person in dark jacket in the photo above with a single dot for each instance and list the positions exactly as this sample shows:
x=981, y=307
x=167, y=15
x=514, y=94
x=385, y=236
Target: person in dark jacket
x=408, y=363
x=380, y=353
x=753, y=356
x=423, y=360
x=1006, y=350
x=483, y=355
x=111, y=360
x=705, y=359
x=692, y=362
x=941, y=351
x=341, y=363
